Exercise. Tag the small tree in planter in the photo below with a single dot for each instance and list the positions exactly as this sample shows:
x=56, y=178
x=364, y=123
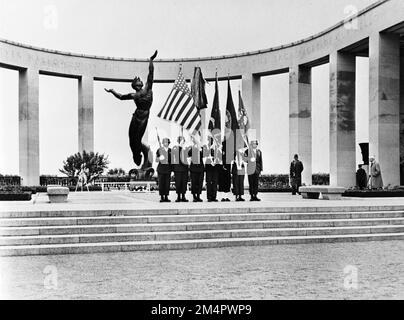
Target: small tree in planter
x=95, y=163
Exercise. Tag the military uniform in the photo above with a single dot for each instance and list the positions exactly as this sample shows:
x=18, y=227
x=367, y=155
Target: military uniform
x=212, y=165
x=196, y=169
x=179, y=156
x=164, y=172
x=238, y=171
x=254, y=168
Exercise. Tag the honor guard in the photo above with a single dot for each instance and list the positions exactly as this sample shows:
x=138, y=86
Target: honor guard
x=254, y=168
x=213, y=159
x=196, y=169
x=225, y=174
x=163, y=157
x=179, y=162
x=238, y=171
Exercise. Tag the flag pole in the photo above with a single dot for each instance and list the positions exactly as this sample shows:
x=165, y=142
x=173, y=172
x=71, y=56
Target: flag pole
x=158, y=137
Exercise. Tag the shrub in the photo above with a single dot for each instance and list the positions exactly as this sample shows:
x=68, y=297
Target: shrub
x=96, y=164
x=321, y=179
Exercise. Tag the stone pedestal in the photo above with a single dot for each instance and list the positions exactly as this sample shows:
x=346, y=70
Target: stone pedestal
x=57, y=194
x=342, y=120
x=86, y=114
x=384, y=104
x=28, y=117
x=251, y=94
x=300, y=131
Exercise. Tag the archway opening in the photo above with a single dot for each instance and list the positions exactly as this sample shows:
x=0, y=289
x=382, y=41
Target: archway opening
x=275, y=123
x=9, y=122
x=58, y=118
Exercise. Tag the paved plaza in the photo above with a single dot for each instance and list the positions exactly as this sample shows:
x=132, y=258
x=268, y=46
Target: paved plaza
x=300, y=271
x=307, y=271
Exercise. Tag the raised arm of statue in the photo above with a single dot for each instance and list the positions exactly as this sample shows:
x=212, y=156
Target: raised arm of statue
x=128, y=96
x=150, y=77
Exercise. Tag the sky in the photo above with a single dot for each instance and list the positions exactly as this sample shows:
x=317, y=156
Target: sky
x=178, y=29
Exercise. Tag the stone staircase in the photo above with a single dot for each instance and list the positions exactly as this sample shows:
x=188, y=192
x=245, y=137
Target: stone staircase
x=65, y=232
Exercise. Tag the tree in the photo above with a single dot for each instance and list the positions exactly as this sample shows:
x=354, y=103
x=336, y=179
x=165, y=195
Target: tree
x=96, y=164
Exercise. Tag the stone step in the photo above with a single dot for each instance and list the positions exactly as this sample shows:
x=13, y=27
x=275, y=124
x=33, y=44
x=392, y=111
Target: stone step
x=112, y=220
x=183, y=235
x=186, y=211
x=186, y=244
x=193, y=226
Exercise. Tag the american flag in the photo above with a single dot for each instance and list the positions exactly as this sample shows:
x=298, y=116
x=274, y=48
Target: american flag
x=179, y=106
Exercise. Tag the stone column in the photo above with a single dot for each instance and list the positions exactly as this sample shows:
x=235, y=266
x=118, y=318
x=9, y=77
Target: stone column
x=384, y=104
x=251, y=95
x=300, y=141
x=28, y=117
x=402, y=119
x=342, y=120
x=86, y=114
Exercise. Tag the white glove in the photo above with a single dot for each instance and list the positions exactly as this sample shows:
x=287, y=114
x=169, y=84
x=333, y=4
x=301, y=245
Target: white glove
x=161, y=158
x=252, y=159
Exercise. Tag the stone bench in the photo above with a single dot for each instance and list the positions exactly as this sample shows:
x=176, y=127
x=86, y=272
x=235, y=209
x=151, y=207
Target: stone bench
x=57, y=193
x=328, y=192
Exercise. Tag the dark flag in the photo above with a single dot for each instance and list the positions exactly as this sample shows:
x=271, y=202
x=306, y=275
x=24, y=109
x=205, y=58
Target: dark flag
x=214, y=122
x=234, y=138
x=198, y=90
x=244, y=122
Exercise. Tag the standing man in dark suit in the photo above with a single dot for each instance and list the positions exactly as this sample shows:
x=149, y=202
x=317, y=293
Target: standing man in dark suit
x=361, y=178
x=179, y=162
x=163, y=157
x=196, y=169
x=254, y=168
x=296, y=168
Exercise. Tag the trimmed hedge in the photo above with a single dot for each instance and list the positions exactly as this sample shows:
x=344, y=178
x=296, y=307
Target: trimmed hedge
x=281, y=181
x=23, y=196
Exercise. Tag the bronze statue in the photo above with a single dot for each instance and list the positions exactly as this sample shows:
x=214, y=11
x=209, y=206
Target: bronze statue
x=143, y=98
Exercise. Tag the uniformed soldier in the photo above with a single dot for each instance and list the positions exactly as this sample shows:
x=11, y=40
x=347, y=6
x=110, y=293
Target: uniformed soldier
x=213, y=160
x=179, y=162
x=225, y=175
x=238, y=172
x=163, y=157
x=196, y=169
x=254, y=168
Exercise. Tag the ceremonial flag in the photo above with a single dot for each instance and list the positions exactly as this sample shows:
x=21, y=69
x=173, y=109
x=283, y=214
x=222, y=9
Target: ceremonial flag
x=232, y=126
x=180, y=107
x=243, y=122
x=198, y=89
x=214, y=122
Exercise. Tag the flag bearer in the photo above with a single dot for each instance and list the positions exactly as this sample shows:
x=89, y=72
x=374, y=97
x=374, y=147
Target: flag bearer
x=179, y=162
x=213, y=160
x=254, y=168
x=196, y=169
x=238, y=171
x=163, y=157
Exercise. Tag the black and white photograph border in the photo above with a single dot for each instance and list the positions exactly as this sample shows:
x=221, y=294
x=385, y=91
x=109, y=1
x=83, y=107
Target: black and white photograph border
x=229, y=155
